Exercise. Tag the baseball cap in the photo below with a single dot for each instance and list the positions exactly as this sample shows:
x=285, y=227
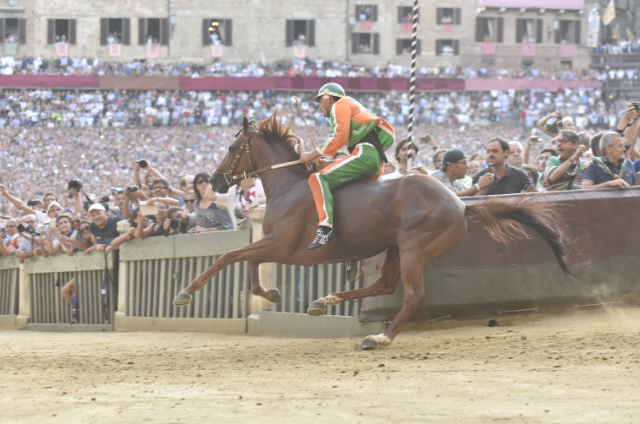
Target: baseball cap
x=52, y=204
x=452, y=156
x=96, y=207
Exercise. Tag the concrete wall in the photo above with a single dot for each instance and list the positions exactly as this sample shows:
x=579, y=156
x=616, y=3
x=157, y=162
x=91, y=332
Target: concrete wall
x=259, y=29
x=481, y=275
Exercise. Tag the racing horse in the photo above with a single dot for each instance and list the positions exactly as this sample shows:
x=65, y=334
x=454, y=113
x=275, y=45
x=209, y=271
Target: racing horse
x=413, y=219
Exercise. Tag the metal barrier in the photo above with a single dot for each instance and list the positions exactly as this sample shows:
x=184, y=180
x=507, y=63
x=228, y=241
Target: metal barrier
x=9, y=286
x=46, y=276
x=152, y=272
x=300, y=285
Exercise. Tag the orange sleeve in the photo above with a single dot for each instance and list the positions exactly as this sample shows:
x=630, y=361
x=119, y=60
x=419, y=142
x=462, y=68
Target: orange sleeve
x=342, y=130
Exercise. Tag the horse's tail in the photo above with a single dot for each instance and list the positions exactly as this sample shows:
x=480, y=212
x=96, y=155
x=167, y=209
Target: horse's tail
x=504, y=221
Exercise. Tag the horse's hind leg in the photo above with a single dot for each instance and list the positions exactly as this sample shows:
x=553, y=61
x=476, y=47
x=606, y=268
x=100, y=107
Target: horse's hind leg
x=386, y=284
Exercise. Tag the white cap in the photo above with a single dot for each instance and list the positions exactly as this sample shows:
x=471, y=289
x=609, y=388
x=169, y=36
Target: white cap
x=52, y=204
x=96, y=207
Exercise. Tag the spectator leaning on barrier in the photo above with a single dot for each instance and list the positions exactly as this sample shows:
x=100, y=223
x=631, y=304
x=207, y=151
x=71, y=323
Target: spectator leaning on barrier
x=506, y=179
x=454, y=173
x=103, y=227
x=611, y=169
x=564, y=172
x=11, y=239
x=208, y=215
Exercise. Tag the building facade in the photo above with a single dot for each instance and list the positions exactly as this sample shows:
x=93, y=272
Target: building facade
x=504, y=33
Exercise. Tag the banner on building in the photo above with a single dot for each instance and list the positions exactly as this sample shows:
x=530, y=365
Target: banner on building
x=489, y=48
x=115, y=50
x=62, y=49
x=216, y=51
x=153, y=50
x=366, y=25
x=593, y=35
x=528, y=48
x=300, y=51
x=568, y=50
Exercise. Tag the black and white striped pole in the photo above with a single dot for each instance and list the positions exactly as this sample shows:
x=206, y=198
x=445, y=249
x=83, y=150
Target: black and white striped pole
x=412, y=79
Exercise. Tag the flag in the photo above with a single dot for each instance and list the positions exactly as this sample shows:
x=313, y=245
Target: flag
x=593, y=36
x=300, y=51
x=216, y=50
x=609, y=13
x=115, y=50
x=528, y=48
x=568, y=50
x=447, y=27
x=407, y=26
x=488, y=48
x=366, y=25
x=62, y=49
x=153, y=51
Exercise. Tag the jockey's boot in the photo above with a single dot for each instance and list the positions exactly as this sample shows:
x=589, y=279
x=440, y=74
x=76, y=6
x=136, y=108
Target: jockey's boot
x=323, y=236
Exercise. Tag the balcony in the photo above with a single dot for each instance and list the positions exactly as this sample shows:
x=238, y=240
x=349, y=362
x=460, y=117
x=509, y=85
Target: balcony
x=623, y=60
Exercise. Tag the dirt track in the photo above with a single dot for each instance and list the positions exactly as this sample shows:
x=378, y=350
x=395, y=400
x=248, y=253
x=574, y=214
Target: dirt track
x=583, y=368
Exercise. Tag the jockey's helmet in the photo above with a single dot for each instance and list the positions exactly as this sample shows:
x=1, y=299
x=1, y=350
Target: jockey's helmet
x=331, y=88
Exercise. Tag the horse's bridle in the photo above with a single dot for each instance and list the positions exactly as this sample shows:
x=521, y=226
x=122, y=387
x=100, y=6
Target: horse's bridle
x=231, y=178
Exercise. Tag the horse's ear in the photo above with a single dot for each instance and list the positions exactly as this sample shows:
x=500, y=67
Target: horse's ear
x=245, y=125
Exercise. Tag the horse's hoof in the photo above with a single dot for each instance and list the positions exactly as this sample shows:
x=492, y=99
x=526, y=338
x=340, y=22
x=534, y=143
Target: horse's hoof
x=368, y=344
x=273, y=295
x=317, y=308
x=182, y=299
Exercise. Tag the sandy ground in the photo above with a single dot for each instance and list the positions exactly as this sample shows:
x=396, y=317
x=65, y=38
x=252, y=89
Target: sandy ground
x=577, y=368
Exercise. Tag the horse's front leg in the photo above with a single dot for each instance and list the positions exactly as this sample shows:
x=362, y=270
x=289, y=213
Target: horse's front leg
x=253, y=253
x=272, y=295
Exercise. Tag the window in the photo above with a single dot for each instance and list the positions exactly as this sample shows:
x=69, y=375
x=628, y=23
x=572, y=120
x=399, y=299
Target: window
x=217, y=31
x=447, y=47
x=448, y=16
x=153, y=31
x=365, y=43
x=115, y=31
x=529, y=30
x=405, y=14
x=301, y=32
x=489, y=29
x=12, y=30
x=61, y=30
x=567, y=64
x=366, y=12
x=403, y=46
x=567, y=31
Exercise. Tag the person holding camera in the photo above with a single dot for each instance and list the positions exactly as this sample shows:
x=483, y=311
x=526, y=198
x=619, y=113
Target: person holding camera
x=64, y=238
x=73, y=200
x=564, y=172
x=11, y=237
x=177, y=222
x=208, y=215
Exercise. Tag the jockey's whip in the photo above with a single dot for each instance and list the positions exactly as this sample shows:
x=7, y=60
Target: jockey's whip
x=412, y=79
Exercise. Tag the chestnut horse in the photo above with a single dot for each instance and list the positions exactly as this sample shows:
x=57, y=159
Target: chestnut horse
x=413, y=219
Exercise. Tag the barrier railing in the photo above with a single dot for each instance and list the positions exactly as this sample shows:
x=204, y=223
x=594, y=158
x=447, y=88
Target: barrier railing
x=46, y=276
x=9, y=286
x=299, y=286
x=152, y=272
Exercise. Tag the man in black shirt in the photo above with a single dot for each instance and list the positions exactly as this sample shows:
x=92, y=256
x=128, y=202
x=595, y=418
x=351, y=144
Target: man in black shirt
x=507, y=179
x=103, y=227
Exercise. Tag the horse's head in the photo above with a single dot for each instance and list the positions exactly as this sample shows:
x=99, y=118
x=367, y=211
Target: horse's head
x=237, y=163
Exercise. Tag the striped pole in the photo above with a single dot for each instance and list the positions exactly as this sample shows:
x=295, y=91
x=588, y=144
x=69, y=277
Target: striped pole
x=412, y=80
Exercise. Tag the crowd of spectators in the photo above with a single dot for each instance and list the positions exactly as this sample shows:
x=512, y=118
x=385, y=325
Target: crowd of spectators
x=113, y=108
x=10, y=65
x=75, y=179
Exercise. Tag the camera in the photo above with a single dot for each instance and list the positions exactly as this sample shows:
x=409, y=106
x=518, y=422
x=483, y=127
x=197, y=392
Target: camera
x=74, y=185
x=28, y=230
x=174, y=224
x=554, y=125
x=132, y=189
x=143, y=163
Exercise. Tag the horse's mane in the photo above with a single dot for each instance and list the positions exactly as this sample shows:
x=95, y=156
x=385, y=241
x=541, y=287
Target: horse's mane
x=274, y=130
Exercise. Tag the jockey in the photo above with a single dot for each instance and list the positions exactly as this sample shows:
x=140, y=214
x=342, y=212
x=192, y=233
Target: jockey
x=365, y=136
